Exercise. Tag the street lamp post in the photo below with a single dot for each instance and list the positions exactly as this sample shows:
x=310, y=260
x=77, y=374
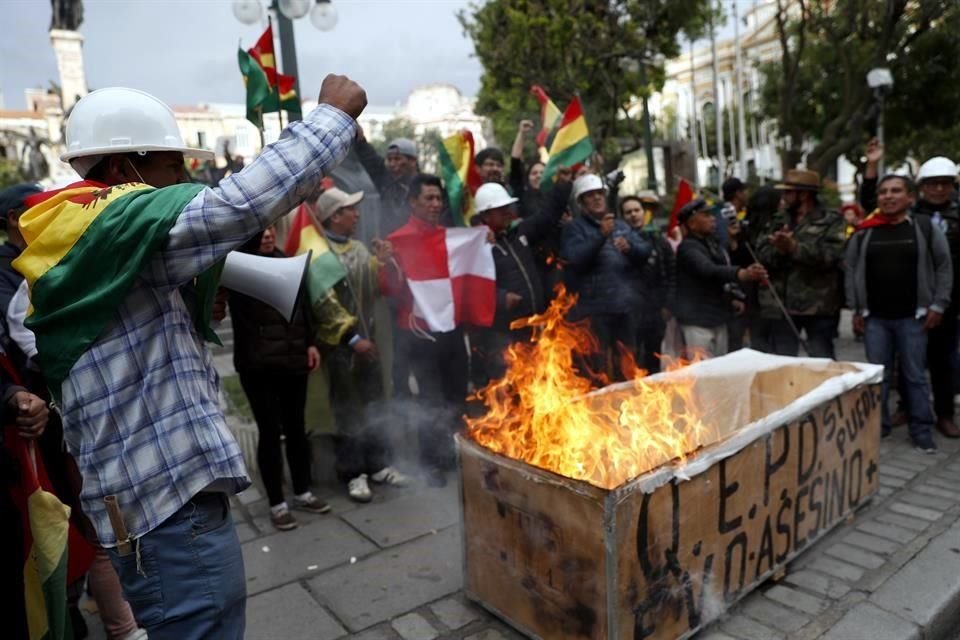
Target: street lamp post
x=323, y=15
x=881, y=81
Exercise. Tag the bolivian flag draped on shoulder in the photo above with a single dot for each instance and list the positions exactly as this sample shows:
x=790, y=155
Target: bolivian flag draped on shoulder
x=86, y=246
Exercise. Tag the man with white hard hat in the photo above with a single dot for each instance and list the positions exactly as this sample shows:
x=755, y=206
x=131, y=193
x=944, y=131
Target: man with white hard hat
x=519, y=287
x=115, y=264
x=601, y=258
x=937, y=182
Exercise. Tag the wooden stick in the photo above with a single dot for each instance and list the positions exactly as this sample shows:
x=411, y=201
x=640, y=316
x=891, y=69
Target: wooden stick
x=118, y=525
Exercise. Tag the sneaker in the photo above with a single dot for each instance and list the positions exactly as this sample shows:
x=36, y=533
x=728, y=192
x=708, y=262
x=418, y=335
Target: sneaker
x=283, y=520
x=312, y=504
x=359, y=490
x=926, y=446
x=389, y=475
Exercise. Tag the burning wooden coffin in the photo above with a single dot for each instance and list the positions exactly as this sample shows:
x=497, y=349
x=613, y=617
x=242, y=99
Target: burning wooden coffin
x=763, y=455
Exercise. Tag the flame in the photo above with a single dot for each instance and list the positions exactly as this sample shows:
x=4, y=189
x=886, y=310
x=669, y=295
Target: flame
x=539, y=412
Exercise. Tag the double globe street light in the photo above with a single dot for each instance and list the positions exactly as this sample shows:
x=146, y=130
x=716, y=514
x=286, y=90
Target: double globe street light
x=323, y=15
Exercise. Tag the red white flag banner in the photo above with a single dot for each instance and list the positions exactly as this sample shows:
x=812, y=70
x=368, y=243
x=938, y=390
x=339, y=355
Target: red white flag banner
x=452, y=276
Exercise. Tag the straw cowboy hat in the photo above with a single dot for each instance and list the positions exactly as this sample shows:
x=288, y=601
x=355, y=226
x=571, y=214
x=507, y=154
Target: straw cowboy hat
x=800, y=180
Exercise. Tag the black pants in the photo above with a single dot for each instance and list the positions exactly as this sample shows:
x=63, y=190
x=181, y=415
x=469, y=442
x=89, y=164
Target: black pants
x=614, y=332
x=440, y=368
x=776, y=336
x=277, y=401
x=649, y=342
x=356, y=398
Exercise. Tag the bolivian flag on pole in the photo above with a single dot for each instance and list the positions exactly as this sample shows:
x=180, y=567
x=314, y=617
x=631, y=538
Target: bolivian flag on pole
x=550, y=116
x=325, y=269
x=460, y=175
x=86, y=246
x=571, y=143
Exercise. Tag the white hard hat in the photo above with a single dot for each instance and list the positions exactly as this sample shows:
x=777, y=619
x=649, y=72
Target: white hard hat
x=492, y=196
x=586, y=183
x=121, y=120
x=937, y=167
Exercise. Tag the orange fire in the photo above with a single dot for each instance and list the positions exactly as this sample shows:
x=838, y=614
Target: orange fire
x=540, y=413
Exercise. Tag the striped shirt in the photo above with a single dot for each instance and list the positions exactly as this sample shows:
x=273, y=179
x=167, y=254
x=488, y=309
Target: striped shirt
x=141, y=407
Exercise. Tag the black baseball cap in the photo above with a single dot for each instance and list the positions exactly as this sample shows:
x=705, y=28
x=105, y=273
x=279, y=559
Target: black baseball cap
x=689, y=209
x=731, y=186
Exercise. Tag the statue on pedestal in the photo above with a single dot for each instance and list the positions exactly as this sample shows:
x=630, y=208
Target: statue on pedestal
x=67, y=14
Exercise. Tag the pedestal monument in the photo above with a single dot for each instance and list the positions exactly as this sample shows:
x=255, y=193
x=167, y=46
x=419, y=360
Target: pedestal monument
x=67, y=16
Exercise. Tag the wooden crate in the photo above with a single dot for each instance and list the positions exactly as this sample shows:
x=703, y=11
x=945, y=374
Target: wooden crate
x=660, y=556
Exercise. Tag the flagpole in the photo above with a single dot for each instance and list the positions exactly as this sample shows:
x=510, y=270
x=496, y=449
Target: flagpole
x=260, y=128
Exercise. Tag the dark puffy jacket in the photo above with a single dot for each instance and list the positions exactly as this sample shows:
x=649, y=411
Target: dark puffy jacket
x=263, y=340
x=657, y=280
x=604, y=279
x=702, y=271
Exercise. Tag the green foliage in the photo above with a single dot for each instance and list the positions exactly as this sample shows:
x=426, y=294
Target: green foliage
x=577, y=46
x=393, y=129
x=10, y=174
x=817, y=91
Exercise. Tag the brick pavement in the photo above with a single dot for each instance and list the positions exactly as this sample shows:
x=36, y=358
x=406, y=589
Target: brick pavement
x=392, y=569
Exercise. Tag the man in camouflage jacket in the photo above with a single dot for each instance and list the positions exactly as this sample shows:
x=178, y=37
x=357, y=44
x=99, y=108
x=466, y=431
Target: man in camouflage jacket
x=803, y=250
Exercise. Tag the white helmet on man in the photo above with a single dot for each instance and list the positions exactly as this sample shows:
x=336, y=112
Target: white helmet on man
x=586, y=183
x=490, y=196
x=121, y=120
x=937, y=167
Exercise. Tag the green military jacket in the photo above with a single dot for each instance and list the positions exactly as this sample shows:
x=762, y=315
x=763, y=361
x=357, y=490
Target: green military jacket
x=809, y=281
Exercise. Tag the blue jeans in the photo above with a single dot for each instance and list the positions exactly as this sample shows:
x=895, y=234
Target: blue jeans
x=190, y=582
x=886, y=339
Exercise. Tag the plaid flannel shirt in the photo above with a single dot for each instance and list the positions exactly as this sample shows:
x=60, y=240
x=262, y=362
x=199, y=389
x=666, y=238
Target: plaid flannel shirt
x=141, y=408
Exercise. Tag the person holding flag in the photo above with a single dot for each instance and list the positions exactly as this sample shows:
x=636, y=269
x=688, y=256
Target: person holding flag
x=441, y=280
x=119, y=270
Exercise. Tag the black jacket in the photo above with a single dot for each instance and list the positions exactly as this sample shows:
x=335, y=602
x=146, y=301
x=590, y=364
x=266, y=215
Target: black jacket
x=602, y=277
x=517, y=266
x=532, y=201
x=657, y=280
x=703, y=270
x=263, y=341
x=394, y=208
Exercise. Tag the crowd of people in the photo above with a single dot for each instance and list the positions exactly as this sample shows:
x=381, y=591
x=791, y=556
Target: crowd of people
x=771, y=270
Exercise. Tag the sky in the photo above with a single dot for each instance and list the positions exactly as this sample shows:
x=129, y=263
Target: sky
x=185, y=51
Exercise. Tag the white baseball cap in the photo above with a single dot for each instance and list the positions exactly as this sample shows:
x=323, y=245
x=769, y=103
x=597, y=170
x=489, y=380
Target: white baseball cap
x=332, y=200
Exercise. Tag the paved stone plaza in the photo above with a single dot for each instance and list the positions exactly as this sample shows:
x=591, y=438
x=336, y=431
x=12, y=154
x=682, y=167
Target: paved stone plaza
x=392, y=569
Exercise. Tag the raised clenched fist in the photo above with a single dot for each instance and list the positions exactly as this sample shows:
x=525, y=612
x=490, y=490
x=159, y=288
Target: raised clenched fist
x=344, y=94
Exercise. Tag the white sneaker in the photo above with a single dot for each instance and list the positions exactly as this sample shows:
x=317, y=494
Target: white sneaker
x=359, y=490
x=390, y=476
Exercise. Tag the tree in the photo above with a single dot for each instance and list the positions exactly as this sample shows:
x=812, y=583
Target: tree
x=817, y=92
x=608, y=52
